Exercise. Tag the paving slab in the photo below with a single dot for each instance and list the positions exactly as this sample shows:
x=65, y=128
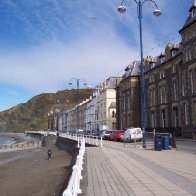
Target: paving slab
x=116, y=170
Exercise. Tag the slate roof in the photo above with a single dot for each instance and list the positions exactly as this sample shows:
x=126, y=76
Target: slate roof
x=190, y=19
x=132, y=69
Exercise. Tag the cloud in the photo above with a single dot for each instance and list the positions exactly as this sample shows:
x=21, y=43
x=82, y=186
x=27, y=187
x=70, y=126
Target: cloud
x=49, y=42
x=51, y=65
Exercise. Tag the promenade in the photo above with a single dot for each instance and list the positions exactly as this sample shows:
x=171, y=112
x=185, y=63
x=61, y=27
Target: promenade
x=118, y=170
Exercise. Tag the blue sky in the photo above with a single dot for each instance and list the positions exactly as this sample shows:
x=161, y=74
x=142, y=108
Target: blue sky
x=45, y=43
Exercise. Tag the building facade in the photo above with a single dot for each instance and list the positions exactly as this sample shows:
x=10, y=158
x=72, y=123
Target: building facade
x=128, y=98
x=106, y=104
x=170, y=87
x=90, y=114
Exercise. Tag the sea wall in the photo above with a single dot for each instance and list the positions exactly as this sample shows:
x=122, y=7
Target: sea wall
x=69, y=146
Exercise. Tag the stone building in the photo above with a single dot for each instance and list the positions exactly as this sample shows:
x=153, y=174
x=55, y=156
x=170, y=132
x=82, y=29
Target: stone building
x=106, y=104
x=170, y=87
x=128, y=98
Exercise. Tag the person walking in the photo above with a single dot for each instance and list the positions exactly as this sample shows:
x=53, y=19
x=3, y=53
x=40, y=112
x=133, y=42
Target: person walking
x=49, y=154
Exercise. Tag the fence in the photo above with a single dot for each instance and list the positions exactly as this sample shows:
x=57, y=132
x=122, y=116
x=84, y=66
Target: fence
x=73, y=187
x=93, y=140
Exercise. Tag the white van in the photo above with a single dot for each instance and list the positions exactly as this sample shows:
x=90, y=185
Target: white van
x=131, y=135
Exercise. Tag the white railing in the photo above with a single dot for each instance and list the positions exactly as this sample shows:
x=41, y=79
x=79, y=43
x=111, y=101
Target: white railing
x=89, y=139
x=94, y=140
x=73, y=187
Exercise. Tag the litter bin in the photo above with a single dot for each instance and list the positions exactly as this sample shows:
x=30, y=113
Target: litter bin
x=165, y=142
x=157, y=142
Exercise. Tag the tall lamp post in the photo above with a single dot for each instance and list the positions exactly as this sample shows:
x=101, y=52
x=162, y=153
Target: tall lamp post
x=78, y=80
x=157, y=12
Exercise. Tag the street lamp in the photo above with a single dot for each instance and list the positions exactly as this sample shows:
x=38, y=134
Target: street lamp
x=77, y=96
x=157, y=12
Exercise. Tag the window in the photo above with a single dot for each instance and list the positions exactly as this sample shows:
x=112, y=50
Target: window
x=162, y=74
x=124, y=104
x=186, y=55
x=153, y=97
x=152, y=119
x=194, y=113
x=174, y=68
x=152, y=65
x=164, y=94
x=191, y=81
x=193, y=13
x=174, y=52
x=185, y=113
x=163, y=117
x=189, y=54
x=113, y=114
x=190, y=35
x=162, y=59
x=175, y=116
x=150, y=97
x=193, y=32
x=194, y=80
x=183, y=84
x=161, y=94
x=128, y=101
x=175, y=90
x=194, y=50
x=151, y=78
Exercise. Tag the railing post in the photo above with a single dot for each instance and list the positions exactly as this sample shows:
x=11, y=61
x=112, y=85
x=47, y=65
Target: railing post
x=101, y=142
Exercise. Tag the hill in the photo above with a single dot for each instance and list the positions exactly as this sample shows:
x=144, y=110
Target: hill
x=33, y=115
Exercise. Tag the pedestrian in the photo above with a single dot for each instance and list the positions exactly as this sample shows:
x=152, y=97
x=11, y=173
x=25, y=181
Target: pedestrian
x=49, y=154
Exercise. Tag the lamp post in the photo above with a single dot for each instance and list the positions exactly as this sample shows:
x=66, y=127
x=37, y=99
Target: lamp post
x=157, y=12
x=77, y=96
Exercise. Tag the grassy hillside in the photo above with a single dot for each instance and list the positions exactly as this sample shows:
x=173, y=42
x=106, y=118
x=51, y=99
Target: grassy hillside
x=33, y=115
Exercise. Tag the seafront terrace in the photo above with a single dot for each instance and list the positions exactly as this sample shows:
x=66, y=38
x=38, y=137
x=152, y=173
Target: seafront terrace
x=116, y=169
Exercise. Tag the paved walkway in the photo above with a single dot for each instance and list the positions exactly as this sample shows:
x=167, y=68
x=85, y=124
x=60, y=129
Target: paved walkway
x=118, y=170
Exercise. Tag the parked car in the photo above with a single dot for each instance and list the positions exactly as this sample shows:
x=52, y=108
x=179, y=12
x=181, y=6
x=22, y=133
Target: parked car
x=132, y=134
x=104, y=134
x=115, y=135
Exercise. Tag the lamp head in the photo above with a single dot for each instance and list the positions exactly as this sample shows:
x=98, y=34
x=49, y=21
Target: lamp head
x=70, y=83
x=85, y=83
x=121, y=9
x=157, y=12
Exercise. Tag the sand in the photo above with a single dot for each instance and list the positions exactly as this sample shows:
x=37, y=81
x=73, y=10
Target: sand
x=28, y=172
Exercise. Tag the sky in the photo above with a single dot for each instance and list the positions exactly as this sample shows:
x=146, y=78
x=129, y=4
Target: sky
x=45, y=43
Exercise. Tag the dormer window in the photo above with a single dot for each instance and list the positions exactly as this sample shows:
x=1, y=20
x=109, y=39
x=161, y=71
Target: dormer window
x=152, y=64
x=173, y=53
x=162, y=59
x=193, y=13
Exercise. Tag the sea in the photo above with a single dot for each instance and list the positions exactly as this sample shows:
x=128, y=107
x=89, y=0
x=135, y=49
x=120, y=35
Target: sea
x=6, y=140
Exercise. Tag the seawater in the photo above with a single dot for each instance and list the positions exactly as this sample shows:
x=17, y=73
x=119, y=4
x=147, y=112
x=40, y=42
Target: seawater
x=6, y=140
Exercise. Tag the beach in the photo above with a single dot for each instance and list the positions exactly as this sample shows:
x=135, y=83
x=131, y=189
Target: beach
x=28, y=172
